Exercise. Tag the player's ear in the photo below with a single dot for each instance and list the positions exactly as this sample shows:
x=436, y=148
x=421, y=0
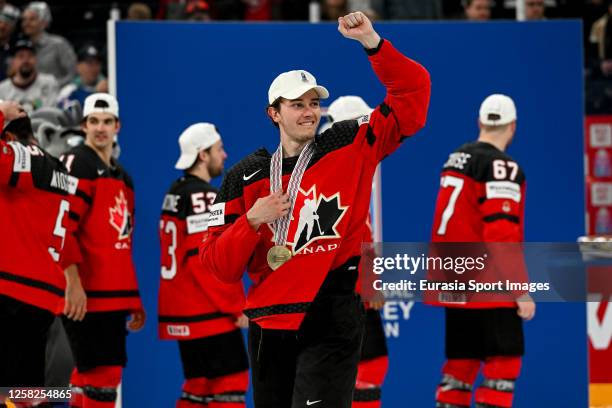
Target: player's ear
x=203, y=155
x=273, y=114
x=117, y=126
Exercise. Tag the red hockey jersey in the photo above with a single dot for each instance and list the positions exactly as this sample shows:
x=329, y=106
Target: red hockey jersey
x=482, y=199
x=192, y=302
x=101, y=245
x=338, y=180
x=35, y=194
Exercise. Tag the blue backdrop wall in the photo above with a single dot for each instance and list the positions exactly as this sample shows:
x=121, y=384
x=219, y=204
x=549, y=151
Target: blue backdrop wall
x=173, y=74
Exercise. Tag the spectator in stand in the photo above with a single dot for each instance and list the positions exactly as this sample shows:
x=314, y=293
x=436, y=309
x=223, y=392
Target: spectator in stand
x=259, y=10
x=477, y=10
x=54, y=53
x=535, y=10
x=334, y=9
x=27, y=86
x=601, y=35
x=197, y=10
x=9, y=15
x=139, y=11
x=408, y=9
x=89, y=77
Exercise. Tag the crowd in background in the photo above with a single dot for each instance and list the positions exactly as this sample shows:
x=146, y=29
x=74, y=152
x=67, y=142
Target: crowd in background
x=52, y=54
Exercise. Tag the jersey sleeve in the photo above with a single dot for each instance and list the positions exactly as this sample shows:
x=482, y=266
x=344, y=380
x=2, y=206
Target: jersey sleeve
x=404, y=110
x=80, y=202
x=7, y=159
x=229, y=241
x=502, y=213
x=502, y=205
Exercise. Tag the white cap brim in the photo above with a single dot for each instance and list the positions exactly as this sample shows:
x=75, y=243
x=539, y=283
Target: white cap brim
x=301, y=90
x=185, y=161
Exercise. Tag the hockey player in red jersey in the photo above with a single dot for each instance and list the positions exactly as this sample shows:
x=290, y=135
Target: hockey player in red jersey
x=98, y=259
x=482, y=199
x=374, y=360
x=35, y=194
x=195, y=308
x=301, y=248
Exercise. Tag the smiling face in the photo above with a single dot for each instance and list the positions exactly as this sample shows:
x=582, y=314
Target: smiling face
x=299, y=118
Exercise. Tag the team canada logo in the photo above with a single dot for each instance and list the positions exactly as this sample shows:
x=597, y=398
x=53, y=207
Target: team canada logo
x=120, y=217
x=314, y=217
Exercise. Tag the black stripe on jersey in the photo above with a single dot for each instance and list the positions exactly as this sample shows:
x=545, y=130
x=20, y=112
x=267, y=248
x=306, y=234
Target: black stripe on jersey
x=192, y=319
x=31, y=282
x=402, y=138
x=370, y=136
x=85, y=197
x=191, y=252
x=367, y=394
x=277, y=310
x=384, y=109
x=111, y=293
x=14, y=179
x=482, y=199
x=502, y=216
x=74, y=216
x=231, y=218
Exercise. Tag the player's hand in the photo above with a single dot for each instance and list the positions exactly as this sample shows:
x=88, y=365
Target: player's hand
x=267, y=209
x=378, y=300
x=11, y=110
x=137, y=320
x=526, y=307
x=75, y=299
x=242, y=321
x=357, y=26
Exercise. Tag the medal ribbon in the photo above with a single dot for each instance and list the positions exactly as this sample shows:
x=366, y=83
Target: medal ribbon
x=281, y=225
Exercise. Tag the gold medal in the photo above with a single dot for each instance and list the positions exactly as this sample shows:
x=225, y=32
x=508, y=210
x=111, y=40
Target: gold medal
x=278, y=255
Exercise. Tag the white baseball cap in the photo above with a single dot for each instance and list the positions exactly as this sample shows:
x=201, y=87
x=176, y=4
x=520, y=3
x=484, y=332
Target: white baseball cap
x=101, y=103
x=497, y=110
x=348, y=107
x=195, y=138
x=293, y=84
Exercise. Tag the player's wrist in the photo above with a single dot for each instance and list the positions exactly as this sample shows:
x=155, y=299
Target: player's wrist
x=253, y=221
x=370, y=41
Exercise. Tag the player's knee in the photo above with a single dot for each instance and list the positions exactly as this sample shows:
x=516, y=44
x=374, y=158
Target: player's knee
x=502, y=367
x=229, y=390
x=455, y=388
x=195, y=393
x=464, y=370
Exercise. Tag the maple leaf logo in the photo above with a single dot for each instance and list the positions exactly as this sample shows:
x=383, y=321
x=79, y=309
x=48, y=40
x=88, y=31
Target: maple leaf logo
x=120, y=217
x=314, y=217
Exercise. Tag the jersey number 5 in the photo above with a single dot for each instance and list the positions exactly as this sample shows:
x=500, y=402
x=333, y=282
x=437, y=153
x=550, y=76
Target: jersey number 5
x=59, y=230
x=168, y=228
x=457, y=184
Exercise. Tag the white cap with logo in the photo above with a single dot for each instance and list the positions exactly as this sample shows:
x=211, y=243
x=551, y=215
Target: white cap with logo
x=101, y=103
x=195, y=138
x=293, y=84
x=497, y=110
x=348, y=107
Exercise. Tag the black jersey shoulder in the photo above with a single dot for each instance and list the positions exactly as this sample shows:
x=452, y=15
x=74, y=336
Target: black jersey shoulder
x=340, y=134
x=47, y=172
x=178, y=200
x=254, y=167
x=86, y=164
x=477, y=161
